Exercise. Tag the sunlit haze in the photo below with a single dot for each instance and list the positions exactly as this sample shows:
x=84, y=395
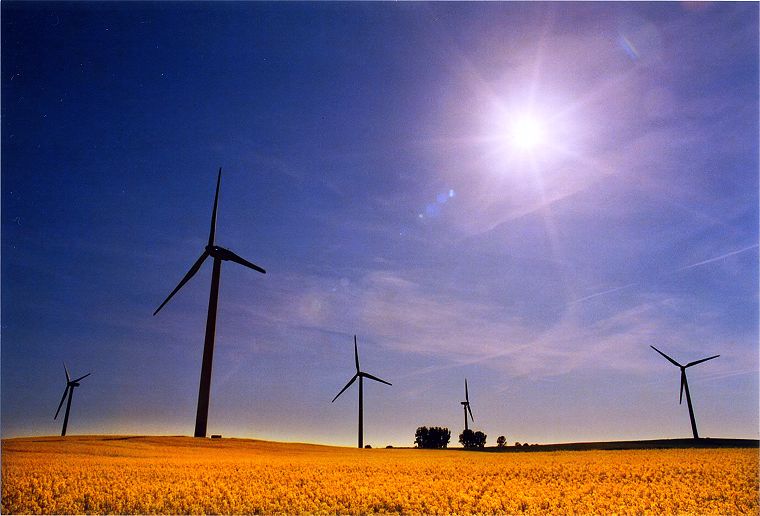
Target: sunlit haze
x=526, y=195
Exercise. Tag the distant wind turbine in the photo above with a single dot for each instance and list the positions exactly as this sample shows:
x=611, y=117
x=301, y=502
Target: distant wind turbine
x=685, y=385
x=219, y=254
x=70, y=384
x=466, y=406
x=360, y=375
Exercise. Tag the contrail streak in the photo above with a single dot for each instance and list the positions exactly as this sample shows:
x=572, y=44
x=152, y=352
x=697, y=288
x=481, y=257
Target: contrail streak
x=686, y=267
x=754, y=246
x=603, y=293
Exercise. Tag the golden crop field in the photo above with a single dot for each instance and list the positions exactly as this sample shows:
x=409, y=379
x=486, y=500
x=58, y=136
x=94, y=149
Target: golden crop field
x=182, y=475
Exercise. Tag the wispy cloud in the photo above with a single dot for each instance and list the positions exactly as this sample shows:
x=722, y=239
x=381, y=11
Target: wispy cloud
x=404, y=316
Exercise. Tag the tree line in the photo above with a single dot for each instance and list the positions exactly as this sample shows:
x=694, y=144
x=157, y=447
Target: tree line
x=437, y=437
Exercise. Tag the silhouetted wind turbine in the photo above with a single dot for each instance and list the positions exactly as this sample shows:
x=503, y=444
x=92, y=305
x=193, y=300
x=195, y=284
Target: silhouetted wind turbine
x=466, y=406
x=219, y=254
x=685, y=385
x=70, y=384
x=360, y=375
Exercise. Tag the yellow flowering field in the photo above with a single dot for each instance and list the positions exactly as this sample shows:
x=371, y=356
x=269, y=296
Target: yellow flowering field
x=182, y=475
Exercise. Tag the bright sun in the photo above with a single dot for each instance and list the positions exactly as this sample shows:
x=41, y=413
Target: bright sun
x=527, y=132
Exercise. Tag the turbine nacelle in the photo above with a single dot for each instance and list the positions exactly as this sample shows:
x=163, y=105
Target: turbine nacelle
x=75, y=383
x=221, y=253
x=216, y=251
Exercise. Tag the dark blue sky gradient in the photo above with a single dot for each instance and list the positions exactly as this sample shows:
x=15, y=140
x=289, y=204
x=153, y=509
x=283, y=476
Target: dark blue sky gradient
x=368, y=169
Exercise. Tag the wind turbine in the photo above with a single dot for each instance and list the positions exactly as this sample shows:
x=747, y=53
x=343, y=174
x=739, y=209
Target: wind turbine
x=70, y=384
x=685, y=385
x=219, y=254
x=361, y=375
x=466, y=406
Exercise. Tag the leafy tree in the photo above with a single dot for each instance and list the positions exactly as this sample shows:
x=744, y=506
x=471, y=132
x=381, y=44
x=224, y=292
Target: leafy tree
x=434, y=437
x=470, y=439
x=466, y=438
x=501, y=442
x=441, y=436
x=421, y=436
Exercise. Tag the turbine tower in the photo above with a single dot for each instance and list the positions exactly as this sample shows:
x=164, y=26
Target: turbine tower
x=685, y=385
x=219, y=254
x=466, y=406
x=70, y=384
x=361, y=375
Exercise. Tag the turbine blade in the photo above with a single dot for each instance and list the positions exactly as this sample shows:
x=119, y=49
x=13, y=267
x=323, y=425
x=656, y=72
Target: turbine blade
x=466, y=395
x=242, y=261
x=666, y=356
x=213, y=213
x=356, y=355
x=82, y=377
x=65, y=391
x=352, y=380
x=470, y=411
x=683, y=381
x=67, y=373
x=190, y=274
x=367, y=375
x=700, y=361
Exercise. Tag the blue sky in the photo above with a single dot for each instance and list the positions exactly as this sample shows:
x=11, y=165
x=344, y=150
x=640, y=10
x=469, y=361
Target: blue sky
x=372, y=164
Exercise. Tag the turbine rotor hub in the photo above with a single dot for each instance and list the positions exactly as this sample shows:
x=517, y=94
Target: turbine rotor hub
x=218, y=252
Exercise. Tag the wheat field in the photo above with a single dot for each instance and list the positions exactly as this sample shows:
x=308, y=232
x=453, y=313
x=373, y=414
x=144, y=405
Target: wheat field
x=182, y=475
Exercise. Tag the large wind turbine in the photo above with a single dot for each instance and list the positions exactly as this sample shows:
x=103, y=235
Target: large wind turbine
x=70, y=384
x=466, y=406
x=685, y=385
x=219, y=254
x=361, y=375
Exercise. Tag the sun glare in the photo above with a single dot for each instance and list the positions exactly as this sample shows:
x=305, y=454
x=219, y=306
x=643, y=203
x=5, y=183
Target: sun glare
x=527, y=132
x=523, y=135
